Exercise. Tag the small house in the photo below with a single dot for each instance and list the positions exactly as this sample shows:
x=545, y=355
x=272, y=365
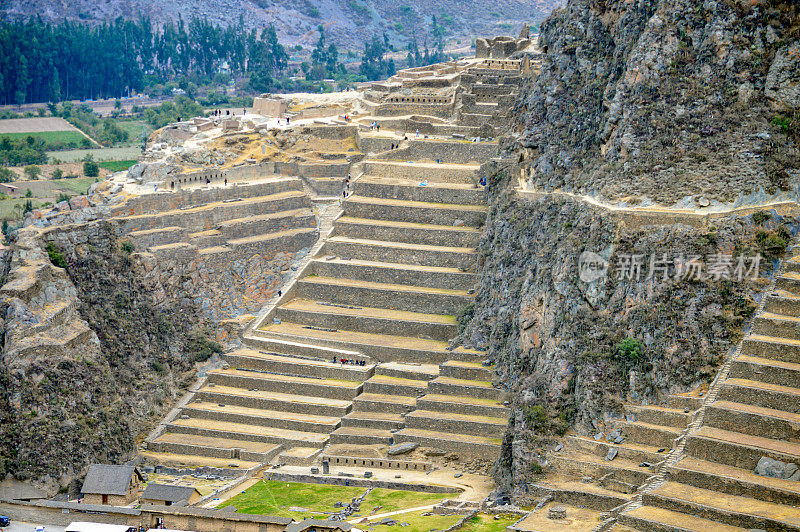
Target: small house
x=168, y=494
x=117, y=485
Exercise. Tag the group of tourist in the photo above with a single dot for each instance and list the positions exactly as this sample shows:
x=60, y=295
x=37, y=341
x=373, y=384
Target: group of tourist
x=349, y=361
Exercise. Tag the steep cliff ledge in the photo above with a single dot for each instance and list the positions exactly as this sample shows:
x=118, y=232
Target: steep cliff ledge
x=666, y=100
x=96, y=347
x=670, y=102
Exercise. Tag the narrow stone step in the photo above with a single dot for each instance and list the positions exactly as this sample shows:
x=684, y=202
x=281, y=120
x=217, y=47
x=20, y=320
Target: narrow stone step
x=374, y=402
x=380, y=347
x=735, y=481
x=755, y=420
x=777, y=325
x=193, y=219
x=460, y=387
x=264, y=418
x=368, y=319
x=635, y=452
x=459, y=369
x=773, y=348
x=301, y=237
x=409, y=232
x=789, y=282
x=410, y=190
x=422, y=172
x=192, y=461
x=685, y=401
x=456, y=423
x=373, y=420
x=463, y=258
x=331, y=388
x=389, y=296
x=761, y=394
x=652, y=519
x=782, y=302
x=753, y=368
x=462, y=444
x=403, y=370
x=267, y=400
x=224, y=448
x=463, y=405
x=627, y=474
x=583, y=494
x=395, y=273
x=415, y=211
x=660, y=415
x=386, y=385
x=299, y=348
x=361, y=436
x=738, y=449
x=728, y=509
x=239, y=431
x=647, y=434
x=292, y=365
x=254, y=225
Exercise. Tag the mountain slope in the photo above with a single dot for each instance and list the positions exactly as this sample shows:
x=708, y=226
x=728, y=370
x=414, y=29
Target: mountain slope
x=349, y=22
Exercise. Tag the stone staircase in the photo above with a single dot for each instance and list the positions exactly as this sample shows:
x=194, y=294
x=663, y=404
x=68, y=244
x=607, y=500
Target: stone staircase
x=594, y=475
x=752, y=413
x=355, y=354
x=257, y=404
x=385, y=288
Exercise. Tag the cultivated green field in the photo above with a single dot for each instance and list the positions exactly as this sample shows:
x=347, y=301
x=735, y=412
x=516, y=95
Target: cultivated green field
x=275, y=498
x=54, y=140
x=99, y=154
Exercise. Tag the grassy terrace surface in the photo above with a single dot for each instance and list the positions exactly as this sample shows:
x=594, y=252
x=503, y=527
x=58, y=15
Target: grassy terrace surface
x=54, y=140
x=116, y=166
x=275, y=498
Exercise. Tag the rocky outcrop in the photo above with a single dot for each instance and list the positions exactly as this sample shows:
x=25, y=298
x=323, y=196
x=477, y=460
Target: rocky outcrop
x=571, y=348
x=91, y=358
x=665, y=100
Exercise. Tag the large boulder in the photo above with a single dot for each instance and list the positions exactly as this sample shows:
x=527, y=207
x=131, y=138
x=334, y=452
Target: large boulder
x=769, y=467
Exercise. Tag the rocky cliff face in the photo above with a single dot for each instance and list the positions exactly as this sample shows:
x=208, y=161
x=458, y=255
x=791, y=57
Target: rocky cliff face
x=571, y=351
x=92, y=356
x=667, y=100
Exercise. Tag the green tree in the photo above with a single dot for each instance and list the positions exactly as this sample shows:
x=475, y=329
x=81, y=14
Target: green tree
x=58, y=173
x=90, y=168
x=6, y=175
x=32, y=172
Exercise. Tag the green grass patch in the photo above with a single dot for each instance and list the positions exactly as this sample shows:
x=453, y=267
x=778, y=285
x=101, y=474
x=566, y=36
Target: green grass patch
x=418, y=522
x=7, y=207
x=489, y=523
x=134, y=129
x=54, y=140
x=99, y=154
x=117, y=166
x=79, y=185
x=275, y=498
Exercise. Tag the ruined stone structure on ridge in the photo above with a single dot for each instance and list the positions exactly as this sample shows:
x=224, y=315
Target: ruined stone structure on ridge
x=381, y=292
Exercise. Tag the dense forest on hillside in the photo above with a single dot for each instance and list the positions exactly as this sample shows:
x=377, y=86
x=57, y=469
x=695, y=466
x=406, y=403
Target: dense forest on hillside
x=44, y=62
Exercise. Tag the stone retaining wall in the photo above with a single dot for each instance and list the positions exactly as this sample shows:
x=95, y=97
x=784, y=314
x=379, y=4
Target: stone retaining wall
x=359, y=482
x=382, y=463
x=176, y=518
